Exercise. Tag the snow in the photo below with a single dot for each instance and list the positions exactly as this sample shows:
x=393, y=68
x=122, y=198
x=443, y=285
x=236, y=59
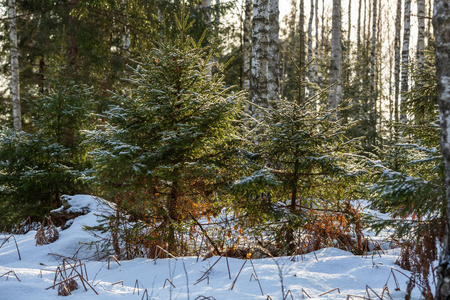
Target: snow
x=313, y=273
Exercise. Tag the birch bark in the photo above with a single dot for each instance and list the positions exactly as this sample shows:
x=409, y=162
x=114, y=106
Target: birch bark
x=420, y=57
x=398, y=27
x=247, y=44
x=15, y=88
x=336, y=93
x=358, y=34
x=405, y=58
x=441, y=26
x=274, y=52
x=302, y=77
x=260, y=58
x=310, y=49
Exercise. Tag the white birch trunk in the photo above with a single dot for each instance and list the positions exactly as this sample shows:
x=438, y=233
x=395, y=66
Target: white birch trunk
x=398, y=28
x=336, y=93
x=441, y=25
x=358, y=33
x=373, y=54
x=274, y=53
x=316, y=62
x=302, y=77
x=247, y=45
x=310, y=50
x=15, y=89
x=405, y=58
x=349, y=30
x=260, y=45
x=420, y=56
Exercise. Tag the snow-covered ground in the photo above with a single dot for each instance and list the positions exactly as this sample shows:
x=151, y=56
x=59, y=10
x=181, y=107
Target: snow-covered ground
x=303, y=277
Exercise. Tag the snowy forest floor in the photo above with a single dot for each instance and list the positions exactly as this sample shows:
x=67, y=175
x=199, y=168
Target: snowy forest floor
x=28, y=271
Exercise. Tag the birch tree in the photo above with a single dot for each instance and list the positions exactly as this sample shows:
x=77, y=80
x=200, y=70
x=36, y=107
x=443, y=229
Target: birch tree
x=316, y=63
x=247, y=44
x=441, y=26
x=358, y=33
x=15, y=90
x=302, y=77
x=310, y=45
x=260, y=58
x=398, y=27
x=405, y=57
x=336, y=92
x=373, y=89
x=420, y=56
x=274, y=52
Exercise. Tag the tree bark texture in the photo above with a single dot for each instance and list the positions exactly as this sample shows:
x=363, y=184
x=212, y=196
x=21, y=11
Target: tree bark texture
x=420, y=56
x=274, y=53
x=310, y=49
x=405, y=58
x=373, y=93
x=302, y=74
x=247, y=44
x=336, y=92
x=441, y=26
x=398, y=28
x=316, y=62
x=358, y=33
x=15, y=87
x=260, y=57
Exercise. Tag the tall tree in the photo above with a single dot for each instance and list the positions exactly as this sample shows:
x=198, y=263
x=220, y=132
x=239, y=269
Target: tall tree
x=310, y=48
x=316, y=30
x=274, y=52
x=302, y=60
x=15, y=90
x=373, y=87
x=405, y=57
x=260, y=58
x=441, y=26
x=420, y=56
x=247, y=44
x=336, y=92
x=398, y=27
x=358, y=33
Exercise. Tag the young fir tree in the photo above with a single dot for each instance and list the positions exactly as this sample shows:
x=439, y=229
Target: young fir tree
x=299, y=159
x=162, y=149
x=39, y=166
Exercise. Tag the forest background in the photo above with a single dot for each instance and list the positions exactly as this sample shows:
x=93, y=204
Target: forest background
x=177, y=110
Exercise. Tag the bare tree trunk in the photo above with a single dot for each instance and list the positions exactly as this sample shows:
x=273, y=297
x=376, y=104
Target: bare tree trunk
x=398, y=27
x=260, y=58
x=368, y=23
x=441, y=25
x=302, y=77
x=373, y=55
x=15, y=88
x=349, y=45
x=310, y=50
x=358, y=38
x=274, y=53
x=373, y=88
x=405, y=58
x=420, y=56
x=316, y=63
x=336, y=93
x=247, y=44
